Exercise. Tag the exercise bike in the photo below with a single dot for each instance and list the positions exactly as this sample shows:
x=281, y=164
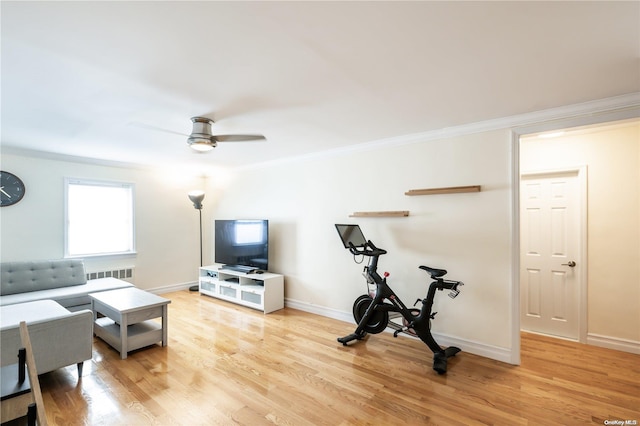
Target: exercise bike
x=371, y=311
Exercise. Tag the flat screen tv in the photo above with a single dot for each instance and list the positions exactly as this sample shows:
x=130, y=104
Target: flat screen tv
x=242, y=244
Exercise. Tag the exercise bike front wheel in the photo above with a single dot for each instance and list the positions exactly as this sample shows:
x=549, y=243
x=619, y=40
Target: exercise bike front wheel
x=378, y=320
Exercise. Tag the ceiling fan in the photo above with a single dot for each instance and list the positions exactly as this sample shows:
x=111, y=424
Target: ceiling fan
x=202, y=140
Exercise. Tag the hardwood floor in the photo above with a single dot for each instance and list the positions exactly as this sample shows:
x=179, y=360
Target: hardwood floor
x=227, y=364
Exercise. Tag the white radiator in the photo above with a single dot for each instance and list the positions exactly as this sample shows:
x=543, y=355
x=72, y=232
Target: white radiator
x=126, y=274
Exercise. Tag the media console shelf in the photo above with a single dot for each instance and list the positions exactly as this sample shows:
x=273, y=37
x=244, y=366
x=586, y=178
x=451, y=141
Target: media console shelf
x=264, y=292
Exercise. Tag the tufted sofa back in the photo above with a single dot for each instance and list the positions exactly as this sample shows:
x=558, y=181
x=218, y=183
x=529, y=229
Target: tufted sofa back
x=22, y=277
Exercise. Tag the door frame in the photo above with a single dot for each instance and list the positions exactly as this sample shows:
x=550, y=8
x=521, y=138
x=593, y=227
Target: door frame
x=582, y=255
x=600, y=112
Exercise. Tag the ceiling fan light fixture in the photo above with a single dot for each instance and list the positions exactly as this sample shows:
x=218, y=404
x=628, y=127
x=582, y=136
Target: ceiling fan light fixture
x=200, y=139
x=201, y=144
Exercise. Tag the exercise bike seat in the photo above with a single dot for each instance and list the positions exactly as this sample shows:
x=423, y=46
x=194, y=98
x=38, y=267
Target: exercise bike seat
x=435, y=273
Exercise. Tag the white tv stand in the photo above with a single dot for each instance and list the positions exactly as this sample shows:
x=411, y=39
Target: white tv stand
x=264, y=292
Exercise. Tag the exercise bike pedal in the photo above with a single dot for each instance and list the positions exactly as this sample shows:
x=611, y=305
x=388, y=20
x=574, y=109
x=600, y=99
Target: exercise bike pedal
x=396, y=327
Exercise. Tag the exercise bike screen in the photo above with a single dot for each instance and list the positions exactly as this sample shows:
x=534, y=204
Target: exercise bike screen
x=351, y=234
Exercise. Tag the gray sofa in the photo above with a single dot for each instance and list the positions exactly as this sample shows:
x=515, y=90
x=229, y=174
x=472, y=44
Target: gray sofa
x=64, y=281
x=52, y=296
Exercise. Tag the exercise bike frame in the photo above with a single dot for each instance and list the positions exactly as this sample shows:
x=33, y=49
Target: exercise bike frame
x=385, y=300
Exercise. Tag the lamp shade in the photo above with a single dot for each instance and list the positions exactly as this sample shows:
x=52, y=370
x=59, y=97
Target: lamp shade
x=196, y=198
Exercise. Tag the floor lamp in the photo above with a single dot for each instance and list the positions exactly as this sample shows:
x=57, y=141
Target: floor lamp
x=196, y=198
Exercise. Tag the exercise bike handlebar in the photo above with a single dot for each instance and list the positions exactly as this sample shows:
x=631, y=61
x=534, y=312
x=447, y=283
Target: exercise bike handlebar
x=369, y=249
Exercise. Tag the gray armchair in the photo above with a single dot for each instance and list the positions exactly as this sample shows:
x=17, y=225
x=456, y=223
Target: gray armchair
x=59, y=337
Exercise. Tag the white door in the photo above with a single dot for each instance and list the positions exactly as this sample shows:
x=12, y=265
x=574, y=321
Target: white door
x=551, y=253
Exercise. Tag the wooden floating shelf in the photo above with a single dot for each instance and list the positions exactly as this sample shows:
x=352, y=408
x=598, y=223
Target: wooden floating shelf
x=397, y=213
x=448, y=190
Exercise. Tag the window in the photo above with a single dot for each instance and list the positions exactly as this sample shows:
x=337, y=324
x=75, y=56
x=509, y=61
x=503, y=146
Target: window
x=99, y=218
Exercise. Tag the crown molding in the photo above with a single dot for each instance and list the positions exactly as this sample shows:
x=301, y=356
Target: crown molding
x=45, y=155
x=591, y=112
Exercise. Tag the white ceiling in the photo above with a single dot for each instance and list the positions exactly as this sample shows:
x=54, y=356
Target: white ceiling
x=94, y=79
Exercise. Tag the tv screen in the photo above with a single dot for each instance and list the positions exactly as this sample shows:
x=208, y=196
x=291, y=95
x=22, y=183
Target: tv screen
x=241, y=243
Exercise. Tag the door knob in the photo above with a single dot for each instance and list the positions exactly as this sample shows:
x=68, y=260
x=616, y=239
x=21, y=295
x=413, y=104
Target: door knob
x=571, y=264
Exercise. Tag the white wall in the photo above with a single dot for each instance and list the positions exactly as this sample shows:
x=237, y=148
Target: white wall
x=612, y=156
x=469, y=234
x=166, y=222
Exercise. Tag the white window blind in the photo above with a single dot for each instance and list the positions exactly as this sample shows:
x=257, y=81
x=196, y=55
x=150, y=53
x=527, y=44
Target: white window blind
x=99, y=218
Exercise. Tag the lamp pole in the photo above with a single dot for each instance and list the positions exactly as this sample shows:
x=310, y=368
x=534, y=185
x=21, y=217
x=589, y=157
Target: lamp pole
x=200, y=212
x=196, y=198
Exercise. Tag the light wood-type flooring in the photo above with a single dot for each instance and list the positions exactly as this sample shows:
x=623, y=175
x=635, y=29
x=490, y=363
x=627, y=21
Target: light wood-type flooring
x=230, y=365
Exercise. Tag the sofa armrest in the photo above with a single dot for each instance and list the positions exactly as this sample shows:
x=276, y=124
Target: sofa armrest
x=56, y=342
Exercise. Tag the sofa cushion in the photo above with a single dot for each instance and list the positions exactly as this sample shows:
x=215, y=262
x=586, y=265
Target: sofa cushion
x=10, y=316
x=21, y=277
x=67, y=296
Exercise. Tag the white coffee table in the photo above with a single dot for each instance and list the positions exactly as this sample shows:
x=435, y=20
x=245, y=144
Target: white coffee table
x=128, y=323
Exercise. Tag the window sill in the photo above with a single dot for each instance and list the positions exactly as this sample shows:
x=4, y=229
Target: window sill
x=127, y=255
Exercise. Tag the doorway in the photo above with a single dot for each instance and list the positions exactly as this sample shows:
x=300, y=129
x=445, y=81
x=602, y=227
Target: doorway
x=610, y=153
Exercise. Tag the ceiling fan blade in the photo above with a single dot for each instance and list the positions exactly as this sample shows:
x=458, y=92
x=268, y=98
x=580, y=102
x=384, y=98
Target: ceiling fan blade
x=155, y=128
x=239, y=138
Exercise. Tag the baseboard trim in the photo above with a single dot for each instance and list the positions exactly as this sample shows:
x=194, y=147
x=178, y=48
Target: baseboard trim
x=616, y=343
x=470, y=346
x=477, y=348
x=170, y=288
x=318, y=310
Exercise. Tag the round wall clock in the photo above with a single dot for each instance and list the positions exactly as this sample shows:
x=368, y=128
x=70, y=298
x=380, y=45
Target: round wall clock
x=11, y=189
